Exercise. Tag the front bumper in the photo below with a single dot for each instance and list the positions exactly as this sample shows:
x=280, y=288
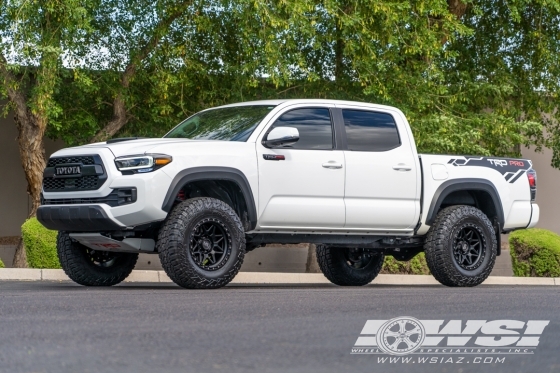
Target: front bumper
x=86, y=218
x=102, y=209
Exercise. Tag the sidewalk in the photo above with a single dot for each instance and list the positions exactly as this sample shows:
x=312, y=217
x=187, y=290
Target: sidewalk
x=269, y=278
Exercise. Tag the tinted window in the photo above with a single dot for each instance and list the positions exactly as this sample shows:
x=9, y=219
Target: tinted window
x=369, y=131
x=314, y=126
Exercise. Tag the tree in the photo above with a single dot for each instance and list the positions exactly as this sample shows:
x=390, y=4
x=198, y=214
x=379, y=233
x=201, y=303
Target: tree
x=33, y=35
x=43, y=40
x=472, y=76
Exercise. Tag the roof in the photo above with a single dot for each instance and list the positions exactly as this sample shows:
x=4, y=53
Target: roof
x=307, y=101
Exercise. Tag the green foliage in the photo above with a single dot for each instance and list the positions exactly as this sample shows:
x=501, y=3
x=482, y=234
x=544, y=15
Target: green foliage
x=33, y=37
x=1, y=264
x=415, y=266
x=40, y=245
x=535, y=253
x=476, y=82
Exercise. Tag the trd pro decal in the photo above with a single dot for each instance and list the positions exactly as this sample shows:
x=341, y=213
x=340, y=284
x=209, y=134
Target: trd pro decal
x=511, y=169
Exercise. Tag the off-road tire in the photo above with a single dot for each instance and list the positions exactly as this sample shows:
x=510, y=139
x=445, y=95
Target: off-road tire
x=76, y=261
x=334, y=265
x=175, y=239
x=440, y=241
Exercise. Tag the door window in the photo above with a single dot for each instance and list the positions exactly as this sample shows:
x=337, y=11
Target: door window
x=370, y=131
x=314, y=126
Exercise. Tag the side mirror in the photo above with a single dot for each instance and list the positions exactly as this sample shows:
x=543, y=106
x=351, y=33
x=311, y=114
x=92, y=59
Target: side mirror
x=281, y=136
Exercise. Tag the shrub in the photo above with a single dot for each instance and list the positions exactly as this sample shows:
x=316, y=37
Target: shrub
x=415, y=266
x=1, y=264
x=40, y=245
x=535, y=253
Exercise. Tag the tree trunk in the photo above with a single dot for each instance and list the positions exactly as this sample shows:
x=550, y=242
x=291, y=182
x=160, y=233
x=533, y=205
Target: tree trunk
x=116, y=123
x=20, y=257
x=31, y=129
x=32, y=154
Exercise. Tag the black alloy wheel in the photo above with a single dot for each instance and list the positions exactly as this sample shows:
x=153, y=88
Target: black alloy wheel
x=210, y=244
x=103, y=259
x=358, y=258
x=469, y=247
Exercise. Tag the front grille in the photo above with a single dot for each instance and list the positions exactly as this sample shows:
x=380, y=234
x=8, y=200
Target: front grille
x=81, y=183
x=87, y=182
x=69, y=160
x=92, y=174
x=117, y=197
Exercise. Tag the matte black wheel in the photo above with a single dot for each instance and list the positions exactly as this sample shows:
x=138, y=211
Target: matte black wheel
x=92, y=267
x=349, y=266
x=202, y=244
x=461, y=246
x=210, y=244
x=469, y=247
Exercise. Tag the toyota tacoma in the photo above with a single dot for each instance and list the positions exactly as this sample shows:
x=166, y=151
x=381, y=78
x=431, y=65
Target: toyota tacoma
x=343, y=175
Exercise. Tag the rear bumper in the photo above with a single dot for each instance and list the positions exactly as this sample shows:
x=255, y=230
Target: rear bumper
x=534, y=215
x=88, y=218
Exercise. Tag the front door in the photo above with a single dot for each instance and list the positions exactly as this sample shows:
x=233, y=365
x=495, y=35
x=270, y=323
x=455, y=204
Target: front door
x=305, y=190
x=382, y=182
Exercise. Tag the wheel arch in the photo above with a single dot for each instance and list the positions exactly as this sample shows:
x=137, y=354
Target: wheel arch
x=195, y=175
x=483, y=195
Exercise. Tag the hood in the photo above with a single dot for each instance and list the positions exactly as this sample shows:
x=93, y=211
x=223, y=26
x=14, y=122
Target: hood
x=133, y=147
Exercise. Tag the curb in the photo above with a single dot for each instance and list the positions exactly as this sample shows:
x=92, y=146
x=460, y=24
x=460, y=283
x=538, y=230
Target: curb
x=267, y=278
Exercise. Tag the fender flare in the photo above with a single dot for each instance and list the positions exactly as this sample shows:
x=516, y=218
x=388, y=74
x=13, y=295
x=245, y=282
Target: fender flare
x=212, y=173
x=455, y=185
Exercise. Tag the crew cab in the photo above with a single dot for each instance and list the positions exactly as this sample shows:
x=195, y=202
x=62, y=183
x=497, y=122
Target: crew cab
x=343, y=175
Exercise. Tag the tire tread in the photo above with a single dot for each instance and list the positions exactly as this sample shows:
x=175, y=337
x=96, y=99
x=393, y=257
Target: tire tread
x=173, y=254
x=437, y=243
x=337, y=272
x=75, y=265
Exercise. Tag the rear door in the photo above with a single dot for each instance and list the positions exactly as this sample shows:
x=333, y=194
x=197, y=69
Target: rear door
x=382, y=190
x=305, y=189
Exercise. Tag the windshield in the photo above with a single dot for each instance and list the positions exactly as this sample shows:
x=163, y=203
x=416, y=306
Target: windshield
x=234, y=123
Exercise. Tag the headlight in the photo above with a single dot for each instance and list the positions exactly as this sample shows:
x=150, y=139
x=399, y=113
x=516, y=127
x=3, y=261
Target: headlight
x=142, y=163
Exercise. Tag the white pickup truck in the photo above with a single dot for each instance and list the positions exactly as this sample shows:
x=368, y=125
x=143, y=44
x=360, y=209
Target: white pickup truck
x=343, y=175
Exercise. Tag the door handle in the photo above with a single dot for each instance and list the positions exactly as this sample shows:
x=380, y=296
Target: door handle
x=332, y=165
x=402, y=167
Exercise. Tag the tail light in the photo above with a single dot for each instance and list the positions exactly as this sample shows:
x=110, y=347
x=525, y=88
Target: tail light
x=532, y=177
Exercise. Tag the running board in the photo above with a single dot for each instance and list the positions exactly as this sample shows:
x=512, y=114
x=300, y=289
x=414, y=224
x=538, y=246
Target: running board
x=96, y=241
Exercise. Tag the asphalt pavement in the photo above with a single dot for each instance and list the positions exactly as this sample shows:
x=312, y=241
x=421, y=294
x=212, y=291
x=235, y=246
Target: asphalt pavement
x=62, y=327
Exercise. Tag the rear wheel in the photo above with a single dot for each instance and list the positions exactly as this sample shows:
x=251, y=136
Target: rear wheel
x=349, y=266
x=93, y=267
x=461, y=246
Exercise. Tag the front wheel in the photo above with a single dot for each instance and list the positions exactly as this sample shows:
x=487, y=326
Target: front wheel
x=93, y=267
x=461, y=246
x=349, y=266
x=202, y=244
